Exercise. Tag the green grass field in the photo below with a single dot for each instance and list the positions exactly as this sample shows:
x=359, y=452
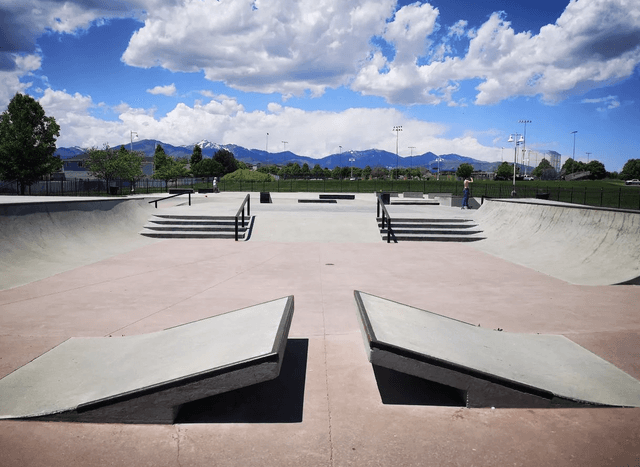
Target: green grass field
x=594, y=193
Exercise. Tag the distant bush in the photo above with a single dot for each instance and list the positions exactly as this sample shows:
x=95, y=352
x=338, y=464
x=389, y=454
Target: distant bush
x=247, y=175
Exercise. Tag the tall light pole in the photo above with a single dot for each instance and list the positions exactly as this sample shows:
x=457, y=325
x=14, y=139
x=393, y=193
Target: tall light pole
x=574, y=144
x=439, y=159
x=588, y=154
x=284, y=145
x=513, y=138
x=351, y=159
x=340, y=162
x=411, y=156
x=397, y=129
x=266, y=148
x=524, y=137
x=133, y=133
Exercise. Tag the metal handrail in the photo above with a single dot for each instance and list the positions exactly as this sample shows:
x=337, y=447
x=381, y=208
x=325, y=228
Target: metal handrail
x=385, y=216
x=172, y=196
x=247, y=202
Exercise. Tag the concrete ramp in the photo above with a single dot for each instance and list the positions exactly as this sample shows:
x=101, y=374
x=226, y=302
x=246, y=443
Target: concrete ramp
x=490, y=368
x=146, y=378
x=578, y=244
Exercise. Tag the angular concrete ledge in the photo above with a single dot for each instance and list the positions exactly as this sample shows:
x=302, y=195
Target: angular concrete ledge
x=146, y=378
x=491, y=368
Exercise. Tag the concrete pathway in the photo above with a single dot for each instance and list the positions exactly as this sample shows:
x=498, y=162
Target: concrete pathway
x=341, y=419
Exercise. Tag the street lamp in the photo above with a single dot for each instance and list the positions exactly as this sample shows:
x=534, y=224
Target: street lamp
x=439, y=159
x=588, y=154
x=397, y=129
x=266, y=148
x=340, y=162
x=133, y=133
x=351, y=159
x=284, y=145
x=574, y=144
x=524, y=137
x=513, y=138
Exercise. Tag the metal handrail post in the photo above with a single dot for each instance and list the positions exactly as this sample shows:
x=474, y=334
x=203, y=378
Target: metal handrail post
x=236, y=228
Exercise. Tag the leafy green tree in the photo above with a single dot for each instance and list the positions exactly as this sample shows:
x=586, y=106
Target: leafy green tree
x=207, y=168
x=225, y=158
x=305, y=172
x=160, y=158
x=27, y=142
x=129, y=165
x=542, y=166
x=196, y=156
x=504, y=171
x=166, y=168
x=571, y=166
x=102, y=163
x=464, y=170
x=366, y=172
x=317, y=171
x=598, y=172
x=379, y=172
x=631, y=170
x=108, y=164
x=336, y=173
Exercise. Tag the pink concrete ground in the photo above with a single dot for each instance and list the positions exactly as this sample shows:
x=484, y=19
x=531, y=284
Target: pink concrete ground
x=344, y=420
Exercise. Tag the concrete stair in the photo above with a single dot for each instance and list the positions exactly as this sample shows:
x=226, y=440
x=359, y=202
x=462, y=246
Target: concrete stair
x=172, y=226
x=432, y=230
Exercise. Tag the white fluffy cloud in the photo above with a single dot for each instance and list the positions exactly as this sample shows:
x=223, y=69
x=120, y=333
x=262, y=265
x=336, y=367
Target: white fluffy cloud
x=222, y=119
x=286, y=46
x=298, y=46
x=593, y=44
x=168, y=90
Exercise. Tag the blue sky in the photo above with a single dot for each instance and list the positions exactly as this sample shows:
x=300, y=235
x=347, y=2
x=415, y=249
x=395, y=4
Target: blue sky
x=324, y=74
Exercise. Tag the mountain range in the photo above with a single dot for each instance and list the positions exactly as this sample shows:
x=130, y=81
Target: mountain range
x=370, y=157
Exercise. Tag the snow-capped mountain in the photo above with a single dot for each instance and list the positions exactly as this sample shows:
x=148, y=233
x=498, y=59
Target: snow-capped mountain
x=369, y=157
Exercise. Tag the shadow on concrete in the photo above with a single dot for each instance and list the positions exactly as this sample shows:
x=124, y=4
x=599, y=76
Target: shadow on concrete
x=277, y=401
x=398, y=388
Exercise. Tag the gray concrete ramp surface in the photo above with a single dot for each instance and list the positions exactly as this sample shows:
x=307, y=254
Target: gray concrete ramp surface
x=578, y=244
x=491, y=368
x=146, y=378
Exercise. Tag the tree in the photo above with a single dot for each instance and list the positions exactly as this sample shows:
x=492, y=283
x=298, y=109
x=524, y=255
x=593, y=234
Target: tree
x=102, y=163
x=366, y=172
x=225, y=158
x=207, y=168
x=571, y=166
x=27, y=142
x=504, y=171
x=317, y=171
x=464, y=170
x=542, y=166
x=631, y=170
x=598, y=172
x=196, y=156
x=167, y=168
x=108, y=164
x=305, y=171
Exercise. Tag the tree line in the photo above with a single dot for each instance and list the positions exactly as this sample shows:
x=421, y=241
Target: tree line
x=28, y=137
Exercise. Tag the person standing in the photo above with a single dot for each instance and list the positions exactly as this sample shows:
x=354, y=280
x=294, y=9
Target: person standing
x=465, y=193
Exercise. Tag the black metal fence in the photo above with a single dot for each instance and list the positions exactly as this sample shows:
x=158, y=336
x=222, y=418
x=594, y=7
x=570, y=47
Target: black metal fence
x=623, y=197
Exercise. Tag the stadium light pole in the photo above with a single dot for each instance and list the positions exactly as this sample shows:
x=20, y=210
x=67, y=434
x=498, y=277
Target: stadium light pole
x=513, y=138
x=411, y=156
x=397, y=129
x=133, y=133
x=524, y=138
x=574, y=144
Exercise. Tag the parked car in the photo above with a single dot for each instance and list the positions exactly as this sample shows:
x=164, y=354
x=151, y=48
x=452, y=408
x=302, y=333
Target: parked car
x=528, y=178
x=635, y=181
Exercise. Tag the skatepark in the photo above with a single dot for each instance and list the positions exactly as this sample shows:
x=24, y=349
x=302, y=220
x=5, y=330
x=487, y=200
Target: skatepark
x=80, y=269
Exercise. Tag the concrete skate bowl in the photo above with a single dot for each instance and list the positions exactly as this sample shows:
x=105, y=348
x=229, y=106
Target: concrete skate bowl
x=43, y=238
x=578, y=244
